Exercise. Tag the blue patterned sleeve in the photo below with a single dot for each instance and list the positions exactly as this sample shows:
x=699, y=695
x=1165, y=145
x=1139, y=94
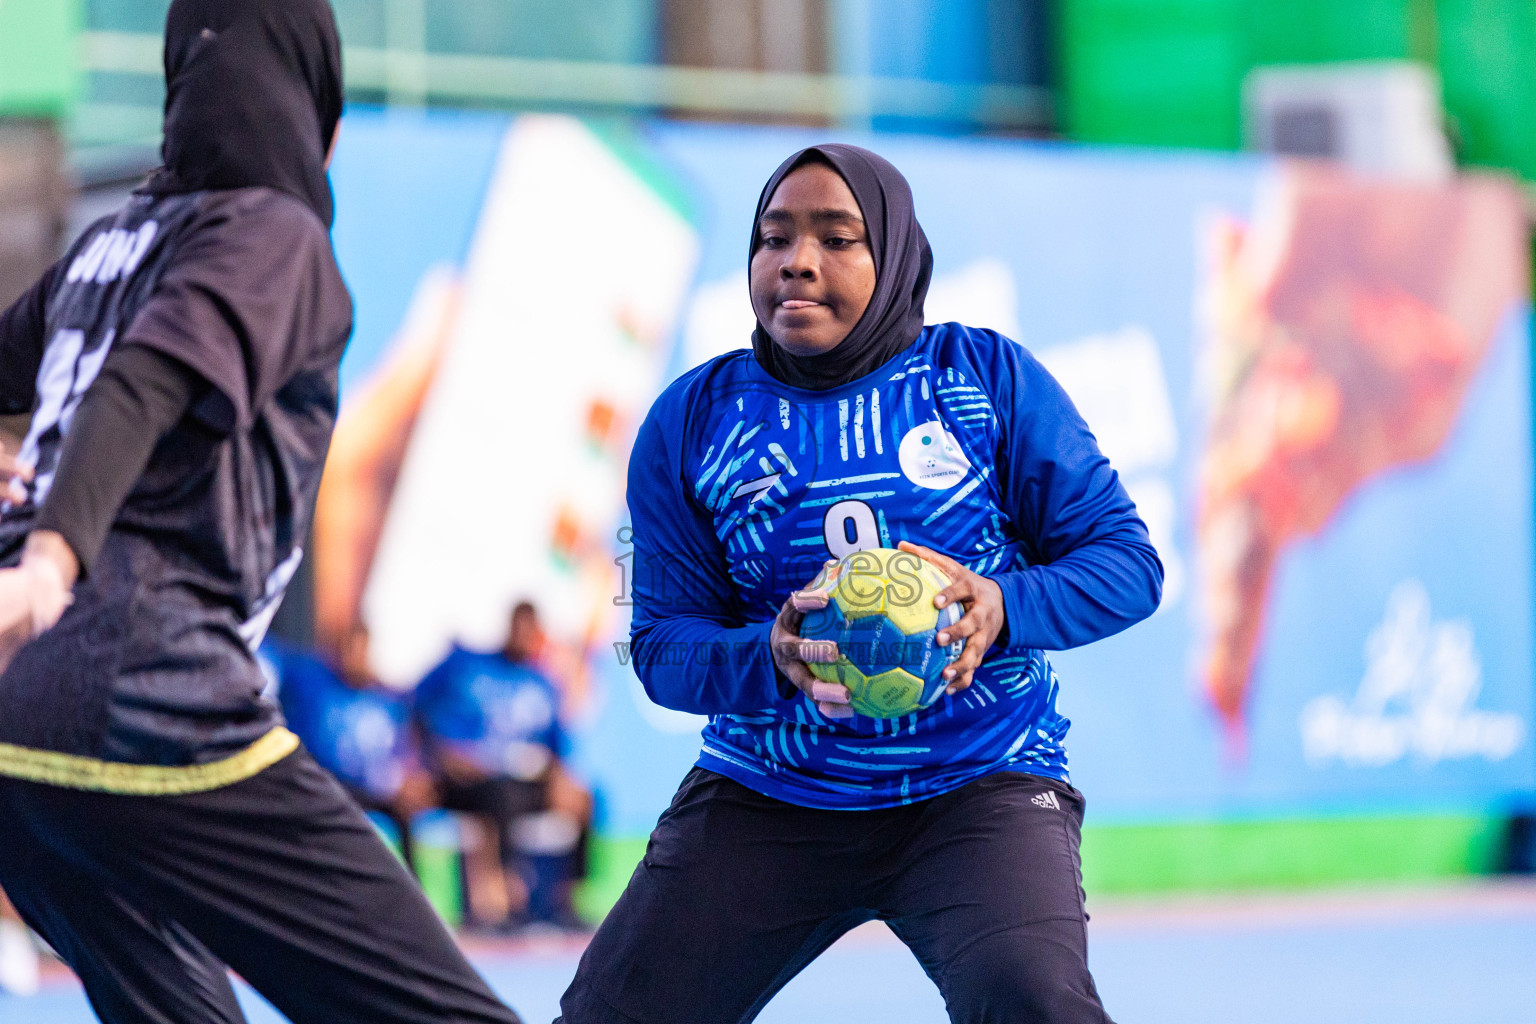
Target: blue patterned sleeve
x=688, y=643
x=1093, y=569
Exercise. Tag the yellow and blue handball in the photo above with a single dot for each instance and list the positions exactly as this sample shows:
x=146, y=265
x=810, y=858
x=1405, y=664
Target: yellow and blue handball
x=880, y=612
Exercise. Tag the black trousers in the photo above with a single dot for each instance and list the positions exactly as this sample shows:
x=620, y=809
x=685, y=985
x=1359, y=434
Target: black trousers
x=738, y=892
x=404, y=827
x=279, y=877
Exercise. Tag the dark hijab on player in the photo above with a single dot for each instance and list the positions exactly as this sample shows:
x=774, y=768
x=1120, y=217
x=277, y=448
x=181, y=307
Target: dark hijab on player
x=253, y=94
x=903, y=266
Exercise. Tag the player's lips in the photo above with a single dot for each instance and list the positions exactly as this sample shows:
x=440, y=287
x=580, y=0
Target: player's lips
x=798, y=304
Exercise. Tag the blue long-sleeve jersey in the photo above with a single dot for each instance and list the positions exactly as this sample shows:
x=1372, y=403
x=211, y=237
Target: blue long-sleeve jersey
x=740, y=487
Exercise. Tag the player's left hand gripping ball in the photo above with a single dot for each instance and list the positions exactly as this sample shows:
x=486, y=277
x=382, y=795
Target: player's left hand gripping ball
x=982, y=622
x=791, y=652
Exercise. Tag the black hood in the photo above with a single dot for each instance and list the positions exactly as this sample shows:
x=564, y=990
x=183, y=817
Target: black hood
x=253, y=94
x=903, y=266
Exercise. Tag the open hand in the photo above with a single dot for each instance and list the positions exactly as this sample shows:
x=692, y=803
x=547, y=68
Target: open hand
x=791, y=652
x=983, y=620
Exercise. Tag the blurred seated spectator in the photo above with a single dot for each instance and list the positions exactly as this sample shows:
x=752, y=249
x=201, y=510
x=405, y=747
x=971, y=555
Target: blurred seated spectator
x=357, y=729
x=566, y=665
x=491, y=731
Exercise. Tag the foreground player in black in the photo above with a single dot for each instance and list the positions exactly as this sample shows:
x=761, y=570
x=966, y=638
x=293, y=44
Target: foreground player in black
x=180, y=368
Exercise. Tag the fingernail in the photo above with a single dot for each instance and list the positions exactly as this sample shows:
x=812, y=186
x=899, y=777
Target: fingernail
x=829, y=693
x=949, y=673
x=943, y=639
x=950, y=691
x=940, y=601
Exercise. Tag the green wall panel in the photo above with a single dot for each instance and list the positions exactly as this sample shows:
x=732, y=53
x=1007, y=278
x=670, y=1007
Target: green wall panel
x=1311, y=31
x=1213, y=856
x=1161, y=72
x=1170, y=72
x=39, y=69
x=1285, y=854
x=1487, y=51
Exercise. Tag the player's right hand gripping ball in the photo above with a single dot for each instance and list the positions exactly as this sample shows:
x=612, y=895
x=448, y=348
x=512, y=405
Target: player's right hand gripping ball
x=882, y=616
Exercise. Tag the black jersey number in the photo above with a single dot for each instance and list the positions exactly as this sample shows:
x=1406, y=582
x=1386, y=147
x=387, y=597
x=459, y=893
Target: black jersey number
x=850, y=526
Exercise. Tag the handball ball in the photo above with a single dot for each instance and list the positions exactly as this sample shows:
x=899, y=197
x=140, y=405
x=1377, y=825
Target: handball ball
x=882, y=616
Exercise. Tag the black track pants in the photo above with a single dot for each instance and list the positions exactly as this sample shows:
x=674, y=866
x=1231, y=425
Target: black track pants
x=279, y=877
x=738, y=892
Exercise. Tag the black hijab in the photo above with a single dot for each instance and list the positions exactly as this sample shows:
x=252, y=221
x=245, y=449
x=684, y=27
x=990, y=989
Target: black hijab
x=253, y=94
x=903, y=265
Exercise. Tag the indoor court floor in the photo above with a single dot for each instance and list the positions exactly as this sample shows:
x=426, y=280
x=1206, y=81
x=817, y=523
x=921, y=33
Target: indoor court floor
x=1443, y=955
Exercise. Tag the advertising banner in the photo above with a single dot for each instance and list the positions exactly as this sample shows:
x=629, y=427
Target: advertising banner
x=1316, y=388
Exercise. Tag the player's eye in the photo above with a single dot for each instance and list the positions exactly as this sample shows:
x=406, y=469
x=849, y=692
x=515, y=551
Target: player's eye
x=773, y=241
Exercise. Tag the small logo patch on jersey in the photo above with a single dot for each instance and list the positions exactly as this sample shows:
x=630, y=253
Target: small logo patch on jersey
x=1046, y=800
x=757, y=488
x=931, y=457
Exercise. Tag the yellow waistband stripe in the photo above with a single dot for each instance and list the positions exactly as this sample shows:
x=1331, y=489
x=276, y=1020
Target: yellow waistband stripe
x=71, y=771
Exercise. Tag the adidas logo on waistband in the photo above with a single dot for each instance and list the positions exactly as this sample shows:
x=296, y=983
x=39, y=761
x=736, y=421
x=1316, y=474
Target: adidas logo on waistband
x=1047, y=800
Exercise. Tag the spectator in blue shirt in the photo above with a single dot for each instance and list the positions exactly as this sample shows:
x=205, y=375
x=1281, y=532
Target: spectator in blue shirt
x=490, y=722
x=357, y=729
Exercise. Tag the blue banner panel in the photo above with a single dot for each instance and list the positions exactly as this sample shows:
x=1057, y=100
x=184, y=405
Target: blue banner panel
x=1317, y=389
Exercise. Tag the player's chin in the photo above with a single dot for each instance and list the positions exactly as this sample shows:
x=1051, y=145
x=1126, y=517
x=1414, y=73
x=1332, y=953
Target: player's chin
x=807, y=332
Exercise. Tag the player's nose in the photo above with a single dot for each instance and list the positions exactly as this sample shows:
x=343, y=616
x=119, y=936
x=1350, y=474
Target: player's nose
x=801, y=261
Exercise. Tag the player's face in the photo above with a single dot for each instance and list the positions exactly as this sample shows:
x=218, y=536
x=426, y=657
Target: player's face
x=813, y=272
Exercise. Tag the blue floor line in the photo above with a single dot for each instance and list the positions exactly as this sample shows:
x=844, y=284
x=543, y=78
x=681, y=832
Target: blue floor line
x=1473, y=968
